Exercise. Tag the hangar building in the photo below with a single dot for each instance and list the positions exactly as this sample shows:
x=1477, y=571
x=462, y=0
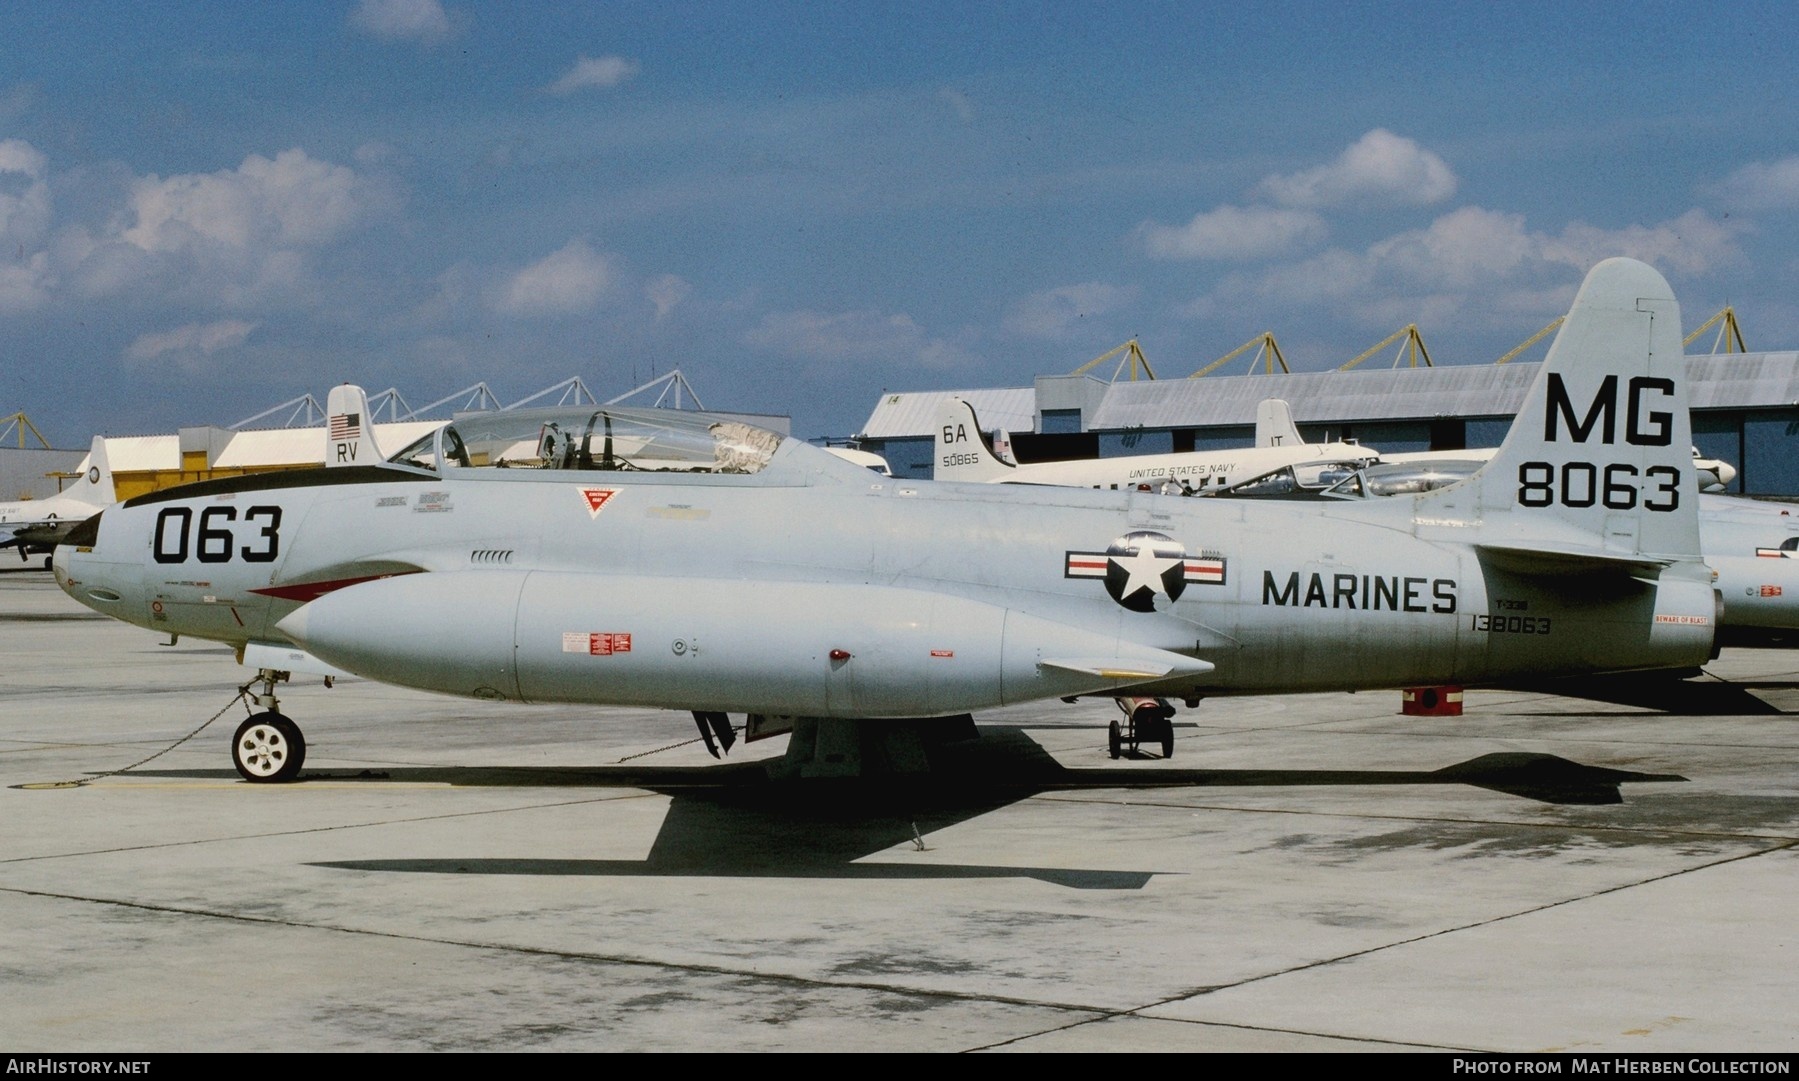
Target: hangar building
x=1745, y=410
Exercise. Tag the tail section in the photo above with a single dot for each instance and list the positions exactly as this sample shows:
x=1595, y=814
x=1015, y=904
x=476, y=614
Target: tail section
x=1002, y=446
x=1274, y=425
x=95, y=485
x=962, y=450
x=349, y=431
x=1598, y=463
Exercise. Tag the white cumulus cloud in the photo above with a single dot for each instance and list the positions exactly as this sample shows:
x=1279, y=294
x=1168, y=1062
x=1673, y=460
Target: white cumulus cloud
x=19, y=156
x=1460, y=249
x=26, y=284
x=1052, y=313
x=423, y=21
x=1694, y=243
x=864, y=336
x=291, y=200
x=1484, y=267
x=1379, y=168
x=24, y=196
x=594, y=71
x=1761, y=185
x=666, y=292
x=188, y=345
x=570, y=280
x=1233, y=232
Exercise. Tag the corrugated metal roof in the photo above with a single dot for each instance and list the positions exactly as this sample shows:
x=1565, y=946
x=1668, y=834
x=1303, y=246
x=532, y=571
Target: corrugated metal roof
x=913, y=414
x=1724, y=381
x=1317, y=397
x=1743, y=380
x=142, y=453
x=300, y=446
x=277, y=446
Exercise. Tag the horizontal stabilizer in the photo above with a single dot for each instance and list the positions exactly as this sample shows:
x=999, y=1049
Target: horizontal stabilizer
x=1553, y=560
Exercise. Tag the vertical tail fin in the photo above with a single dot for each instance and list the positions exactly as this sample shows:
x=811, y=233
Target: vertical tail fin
x=349, y=430
x=1599, y=460
x=1002, y=446
x=95, y=485
x=962, y=450
x=1274, y=425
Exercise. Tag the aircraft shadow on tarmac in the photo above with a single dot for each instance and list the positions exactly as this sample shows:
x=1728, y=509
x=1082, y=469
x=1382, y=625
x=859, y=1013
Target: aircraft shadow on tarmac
x=1691, y=697
x=732, y=820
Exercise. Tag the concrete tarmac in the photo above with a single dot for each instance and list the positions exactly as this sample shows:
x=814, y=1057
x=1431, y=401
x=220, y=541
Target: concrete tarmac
x=1307, y=873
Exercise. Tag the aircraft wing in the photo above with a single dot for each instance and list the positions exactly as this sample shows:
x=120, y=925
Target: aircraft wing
x=31, y=537
x=41, y=536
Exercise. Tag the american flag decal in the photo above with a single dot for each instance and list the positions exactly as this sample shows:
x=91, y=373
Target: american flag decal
x=346, y=426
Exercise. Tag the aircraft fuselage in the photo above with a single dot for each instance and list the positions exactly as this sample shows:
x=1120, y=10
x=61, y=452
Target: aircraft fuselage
x=818, y=589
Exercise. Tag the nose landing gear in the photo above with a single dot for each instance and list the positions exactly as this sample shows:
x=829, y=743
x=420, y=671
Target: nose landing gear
x=268, y=748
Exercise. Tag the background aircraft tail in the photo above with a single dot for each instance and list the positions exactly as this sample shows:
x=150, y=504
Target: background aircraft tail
x=349, y=430
x=95, y=485
x=1599, y=460
x=1002, y=446
x=1274, y=425
x=962, y=450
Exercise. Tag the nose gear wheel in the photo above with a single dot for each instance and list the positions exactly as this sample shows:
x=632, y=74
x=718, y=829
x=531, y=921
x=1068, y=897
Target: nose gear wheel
x=268, y=749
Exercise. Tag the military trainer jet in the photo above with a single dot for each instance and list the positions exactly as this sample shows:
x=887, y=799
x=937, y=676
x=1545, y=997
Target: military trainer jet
x=649, y=558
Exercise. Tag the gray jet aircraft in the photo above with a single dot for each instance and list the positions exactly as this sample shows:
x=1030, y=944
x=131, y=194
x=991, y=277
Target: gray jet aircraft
x=651, y=558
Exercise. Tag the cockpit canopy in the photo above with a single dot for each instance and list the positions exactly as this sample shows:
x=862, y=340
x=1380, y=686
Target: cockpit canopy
x=595, y=438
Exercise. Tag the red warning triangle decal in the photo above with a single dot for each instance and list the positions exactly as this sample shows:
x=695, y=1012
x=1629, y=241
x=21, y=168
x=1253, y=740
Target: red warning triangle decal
x=597, y=498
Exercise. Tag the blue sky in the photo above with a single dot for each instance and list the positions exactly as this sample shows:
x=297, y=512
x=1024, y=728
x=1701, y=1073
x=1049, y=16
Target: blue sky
x=207, y=209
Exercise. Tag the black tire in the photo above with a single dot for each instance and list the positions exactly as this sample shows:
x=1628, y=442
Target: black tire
x=1114, y=740
x=268, y=749
x=295, y=740
x=1168, y=739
